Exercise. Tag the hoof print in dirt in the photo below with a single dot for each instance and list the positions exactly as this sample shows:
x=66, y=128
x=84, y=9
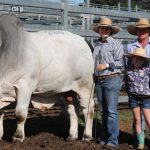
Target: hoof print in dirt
x=44, y=144
x=16, y=142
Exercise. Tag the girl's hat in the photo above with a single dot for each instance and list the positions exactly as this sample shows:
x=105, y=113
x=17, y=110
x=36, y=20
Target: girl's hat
x=138, y=52
x=142, y=23
x=105, y=22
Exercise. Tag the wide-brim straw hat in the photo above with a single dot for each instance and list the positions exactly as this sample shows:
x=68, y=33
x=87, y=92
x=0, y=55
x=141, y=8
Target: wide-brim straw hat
x=105, y=22
x=142, y=23
x=140, y=52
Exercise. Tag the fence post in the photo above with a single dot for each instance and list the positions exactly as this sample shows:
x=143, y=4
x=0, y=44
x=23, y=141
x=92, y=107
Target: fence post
x=87, y=19
x=64, y=14
x=119, y=5
x=129, y=5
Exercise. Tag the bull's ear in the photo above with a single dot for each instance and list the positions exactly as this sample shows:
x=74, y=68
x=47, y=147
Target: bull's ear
x=19, y=23
x=15, y=85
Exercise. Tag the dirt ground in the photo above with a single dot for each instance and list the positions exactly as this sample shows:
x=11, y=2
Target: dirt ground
x=50, y=133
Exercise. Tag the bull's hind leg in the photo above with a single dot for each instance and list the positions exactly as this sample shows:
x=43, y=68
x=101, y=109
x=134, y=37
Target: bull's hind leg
x=87, y=104
x=23, y=100
x=73, y=132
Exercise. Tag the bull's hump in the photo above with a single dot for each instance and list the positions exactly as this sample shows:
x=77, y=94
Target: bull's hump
x=59, y=33
x=56, y=32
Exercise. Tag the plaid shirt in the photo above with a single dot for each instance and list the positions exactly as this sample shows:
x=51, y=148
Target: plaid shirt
x=135, y=44
x=109, y=52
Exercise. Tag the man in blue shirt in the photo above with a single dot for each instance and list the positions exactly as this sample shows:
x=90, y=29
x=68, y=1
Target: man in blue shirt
x=141, y=29
x=108, y=56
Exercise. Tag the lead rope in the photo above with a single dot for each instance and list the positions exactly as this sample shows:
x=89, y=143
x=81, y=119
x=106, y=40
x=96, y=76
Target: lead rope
x=92, y=88
x=89, y=105
x=96, y=113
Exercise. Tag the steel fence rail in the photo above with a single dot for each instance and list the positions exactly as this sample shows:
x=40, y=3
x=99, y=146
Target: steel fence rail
x=47, y=14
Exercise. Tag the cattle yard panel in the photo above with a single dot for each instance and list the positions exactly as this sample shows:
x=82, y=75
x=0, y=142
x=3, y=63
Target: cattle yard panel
x=49, y=15
x=34, y=113
x=51, y=112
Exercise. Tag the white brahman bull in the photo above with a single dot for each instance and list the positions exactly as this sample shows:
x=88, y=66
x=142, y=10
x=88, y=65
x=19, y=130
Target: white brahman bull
x=45, y=61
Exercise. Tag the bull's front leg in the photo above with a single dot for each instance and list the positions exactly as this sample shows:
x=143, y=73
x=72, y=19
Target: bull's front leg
x=21, y=111
x=87, y=104
x=88, y=113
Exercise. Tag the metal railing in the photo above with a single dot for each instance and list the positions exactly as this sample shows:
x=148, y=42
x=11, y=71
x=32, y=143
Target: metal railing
x=101, y=6
x=56, y=15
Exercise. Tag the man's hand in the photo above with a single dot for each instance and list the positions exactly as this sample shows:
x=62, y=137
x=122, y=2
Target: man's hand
x=102, y=67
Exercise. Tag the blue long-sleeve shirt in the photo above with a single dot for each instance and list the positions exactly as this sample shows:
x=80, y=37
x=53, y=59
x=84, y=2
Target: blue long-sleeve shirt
x=109, y=52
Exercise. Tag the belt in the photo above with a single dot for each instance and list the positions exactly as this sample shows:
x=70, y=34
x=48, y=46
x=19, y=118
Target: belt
x=139, y=96
x=108, y=76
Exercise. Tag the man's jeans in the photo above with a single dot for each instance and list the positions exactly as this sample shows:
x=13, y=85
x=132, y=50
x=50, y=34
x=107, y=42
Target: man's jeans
x=107, y=92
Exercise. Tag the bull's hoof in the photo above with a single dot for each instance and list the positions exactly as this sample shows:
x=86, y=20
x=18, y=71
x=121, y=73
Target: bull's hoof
x=1, y=136
x=70, y=138
x=18, y=137
x=87, y=138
